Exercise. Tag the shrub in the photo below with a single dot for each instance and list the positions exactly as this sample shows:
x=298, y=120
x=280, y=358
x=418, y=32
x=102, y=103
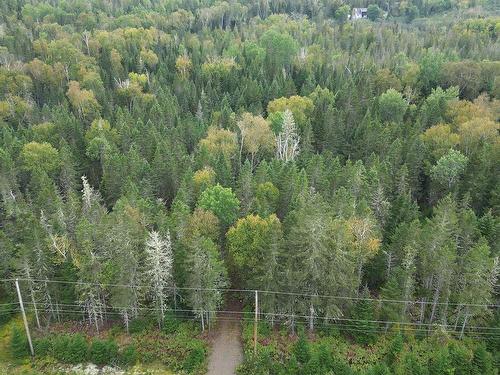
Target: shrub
x=77, y=349
x=340, y=367
x=482, y=361
x=259, y=364
x=379, y=369
x=461, y=358
x=170, y=323
x=313, y=366
x=325, y=356
x=440, y=362
x=140, y=325
x=103, y=352
x=43, y=346
x=18, y=344
x=60, y=344
x=70, y=348
x=128, y=356
x=5, y=314
x=395, y=348
x=195, y=358
x=301, y=349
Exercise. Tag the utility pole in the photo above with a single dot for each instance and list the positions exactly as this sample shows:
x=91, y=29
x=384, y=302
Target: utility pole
x=255, y=323
x=24, y=318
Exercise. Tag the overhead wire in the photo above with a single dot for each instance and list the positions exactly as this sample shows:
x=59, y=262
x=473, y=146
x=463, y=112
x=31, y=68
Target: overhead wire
x=309, y=295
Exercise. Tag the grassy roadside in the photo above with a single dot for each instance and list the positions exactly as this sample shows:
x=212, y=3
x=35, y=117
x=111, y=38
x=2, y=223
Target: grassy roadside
x=157, y=353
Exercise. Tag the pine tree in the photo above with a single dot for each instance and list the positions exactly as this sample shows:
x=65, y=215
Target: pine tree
x=482, y=362
x=364, y=329
x=302, y=350
x=18, y=344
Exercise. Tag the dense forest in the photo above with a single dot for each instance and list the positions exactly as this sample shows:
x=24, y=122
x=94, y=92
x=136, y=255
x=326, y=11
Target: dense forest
x=155, y=154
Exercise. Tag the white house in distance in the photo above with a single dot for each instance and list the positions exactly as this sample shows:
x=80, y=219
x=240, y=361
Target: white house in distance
x=358, y=13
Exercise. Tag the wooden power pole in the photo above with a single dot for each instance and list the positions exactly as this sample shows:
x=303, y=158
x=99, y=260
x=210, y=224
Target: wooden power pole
x=24, y=318
x=255, y=322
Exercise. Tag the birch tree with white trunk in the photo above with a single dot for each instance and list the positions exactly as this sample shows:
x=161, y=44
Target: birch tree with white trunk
x=287, y=141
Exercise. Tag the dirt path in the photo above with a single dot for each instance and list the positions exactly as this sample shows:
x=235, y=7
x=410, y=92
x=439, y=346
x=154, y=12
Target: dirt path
x=227, y=351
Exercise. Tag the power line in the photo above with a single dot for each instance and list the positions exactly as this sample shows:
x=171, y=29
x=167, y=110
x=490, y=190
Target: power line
x=340, y=326
x=404, y=324
x=277, y=314
x=268, y=292
x=326, y=320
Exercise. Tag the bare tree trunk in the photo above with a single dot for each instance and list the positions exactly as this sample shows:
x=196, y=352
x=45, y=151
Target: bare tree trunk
x=422, y=310
x=125, y=318
x=463, y=325
x=311, y=318
x=57, y=312
x=434, y=304
x=32, y=295
x=459, y=310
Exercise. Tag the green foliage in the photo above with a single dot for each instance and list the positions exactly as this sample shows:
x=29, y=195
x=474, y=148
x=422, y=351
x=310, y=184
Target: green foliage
x=430, y=70
x=435, y=105
x=103, y=352
x=141, y=324
x=5, y=314
x=181, y=351
x=195, y=358
x=42, y=346
x=342, y=13
x=76, y=349
x=380, y=369
x=280, y=48
x=396, y=346
x=266, y=198
x=251, y=242
x=128, y=356
x=449, y=168
x=170, y=323
x=392, y=106
x=301, y=349
x=373, y=12
x=363, y=327
x=69, y=348
x=157, y=116
x=18, y=343
x=482, y=361
x=40, y=156
x=222, y=202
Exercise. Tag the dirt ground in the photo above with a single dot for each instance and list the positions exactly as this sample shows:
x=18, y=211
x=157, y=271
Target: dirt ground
x=227, y=351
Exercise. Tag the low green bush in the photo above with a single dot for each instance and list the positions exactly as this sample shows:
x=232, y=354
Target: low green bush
x=60, y=344
x=5, y=313
x=43, y=346
x=128, y=356
x=195, y=358
x=77, y=349
x=140, y=325
x=69, y=348
x=18, y=344
x=170, y=323
x=301, y=349
x=103, y=352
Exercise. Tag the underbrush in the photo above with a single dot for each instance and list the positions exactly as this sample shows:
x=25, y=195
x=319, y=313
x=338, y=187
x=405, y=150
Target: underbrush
x=327, y=352
x=177, y=347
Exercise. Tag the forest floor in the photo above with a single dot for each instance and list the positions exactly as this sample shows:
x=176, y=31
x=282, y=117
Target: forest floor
x=226, y=347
